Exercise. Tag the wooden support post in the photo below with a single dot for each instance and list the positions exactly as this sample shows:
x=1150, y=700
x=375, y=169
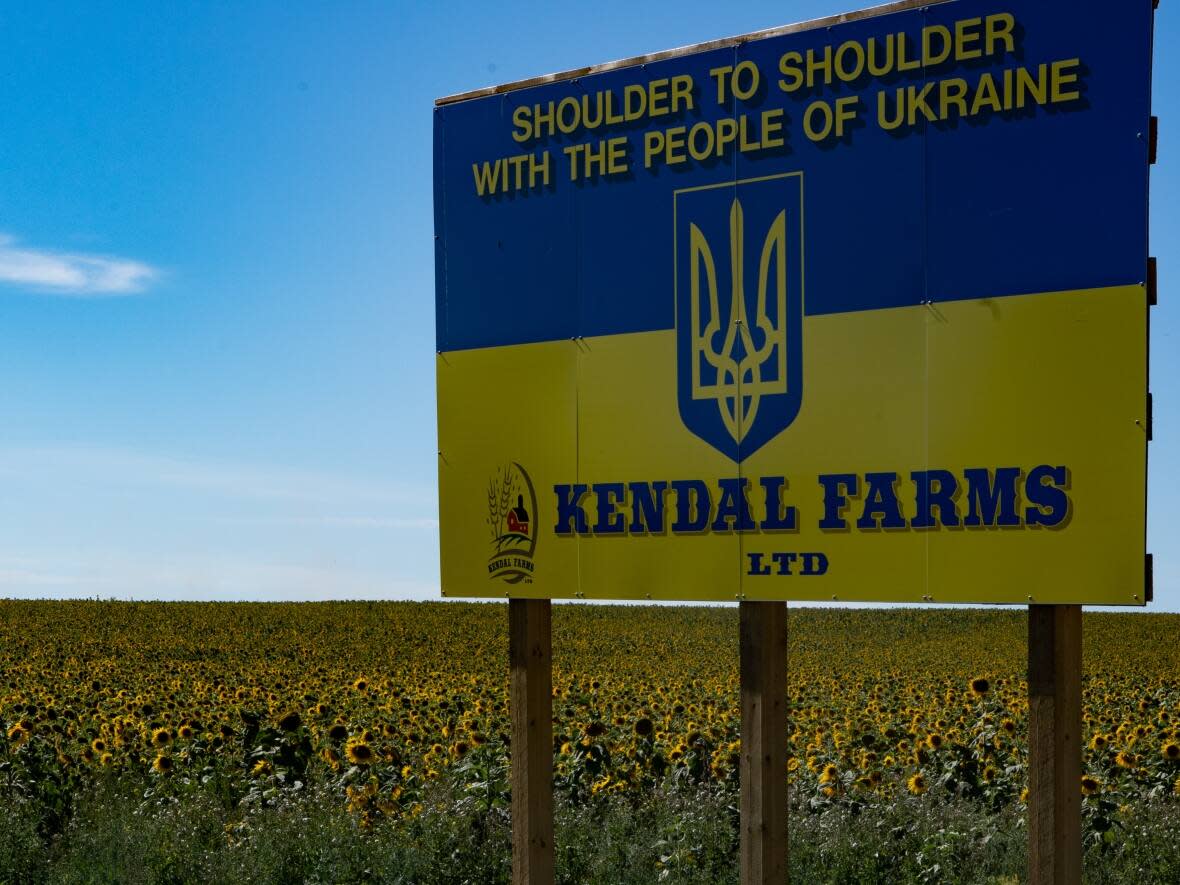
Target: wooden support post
x=531, y=700
x=1055, y=744
x=764, y=742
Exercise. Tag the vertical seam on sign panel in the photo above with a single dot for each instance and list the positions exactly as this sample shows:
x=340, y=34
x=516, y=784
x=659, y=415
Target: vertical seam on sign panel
x=1152, y=139
x=576, y=220
x=578, y=536
x=446, y=313
x=441, y=336
x=739, y=467
x=676, y=300
x=926, y=314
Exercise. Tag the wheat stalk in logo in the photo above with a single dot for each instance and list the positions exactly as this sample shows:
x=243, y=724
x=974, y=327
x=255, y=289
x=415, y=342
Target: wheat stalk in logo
x=502, y=492
x=744, y=369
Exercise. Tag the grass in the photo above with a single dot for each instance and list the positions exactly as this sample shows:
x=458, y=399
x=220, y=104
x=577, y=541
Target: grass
x=680, y=834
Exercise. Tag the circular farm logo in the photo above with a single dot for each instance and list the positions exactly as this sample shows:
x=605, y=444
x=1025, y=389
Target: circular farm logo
x=512, y=514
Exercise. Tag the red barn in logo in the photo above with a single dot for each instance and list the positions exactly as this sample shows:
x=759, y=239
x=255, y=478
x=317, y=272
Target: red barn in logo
x=518, y=518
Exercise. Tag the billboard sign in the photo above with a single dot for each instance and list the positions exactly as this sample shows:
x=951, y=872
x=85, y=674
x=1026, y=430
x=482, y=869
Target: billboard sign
x=852, y=310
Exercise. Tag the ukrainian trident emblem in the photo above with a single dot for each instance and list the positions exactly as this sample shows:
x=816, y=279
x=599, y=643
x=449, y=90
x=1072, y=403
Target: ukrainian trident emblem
x=739, y=323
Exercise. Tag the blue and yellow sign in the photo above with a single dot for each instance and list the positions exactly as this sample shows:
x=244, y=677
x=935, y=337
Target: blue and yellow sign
x=854, y=312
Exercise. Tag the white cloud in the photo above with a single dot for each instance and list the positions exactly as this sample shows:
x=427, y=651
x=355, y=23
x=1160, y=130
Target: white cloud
x=67, y=273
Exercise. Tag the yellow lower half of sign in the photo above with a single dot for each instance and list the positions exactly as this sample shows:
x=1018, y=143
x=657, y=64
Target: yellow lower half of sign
x=989, y=451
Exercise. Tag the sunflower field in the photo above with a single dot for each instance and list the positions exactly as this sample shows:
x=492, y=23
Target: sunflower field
x=370, y=740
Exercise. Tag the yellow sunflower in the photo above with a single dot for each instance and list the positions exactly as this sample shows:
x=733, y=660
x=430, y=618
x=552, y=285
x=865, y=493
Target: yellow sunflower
x=360, y=753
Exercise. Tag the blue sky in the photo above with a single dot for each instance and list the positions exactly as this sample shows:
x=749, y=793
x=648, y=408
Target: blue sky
x=216, y=282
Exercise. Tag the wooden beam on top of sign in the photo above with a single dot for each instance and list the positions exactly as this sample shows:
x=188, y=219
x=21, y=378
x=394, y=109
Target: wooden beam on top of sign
x=763, y=674
x=531, y=702
x=1054, y=744
x=813, y=24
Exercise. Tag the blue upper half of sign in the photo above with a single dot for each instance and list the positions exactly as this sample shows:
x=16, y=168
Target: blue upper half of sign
x=1016, y=164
